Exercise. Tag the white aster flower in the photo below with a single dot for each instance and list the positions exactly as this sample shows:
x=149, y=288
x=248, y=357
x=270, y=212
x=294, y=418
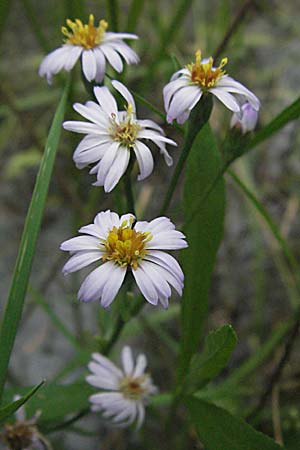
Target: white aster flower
x=94, y=45
x=187, y=86
x=123, y=247
x=247, y=122
x=128, y=389
x=112, y=135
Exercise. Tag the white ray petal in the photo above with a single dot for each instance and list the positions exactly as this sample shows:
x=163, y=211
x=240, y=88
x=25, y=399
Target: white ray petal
x=144, y=158
x=80, y=260
x=117, y=169
x=113, y=285
x=127, y=360
x=80, y=243
x=89, y=66
x=124, y=92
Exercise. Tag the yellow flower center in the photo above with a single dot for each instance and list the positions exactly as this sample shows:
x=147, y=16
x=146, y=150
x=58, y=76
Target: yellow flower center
x=132, y=387
x=125, y=246
x=85, y=35
x=126, y=131
x=203, y=73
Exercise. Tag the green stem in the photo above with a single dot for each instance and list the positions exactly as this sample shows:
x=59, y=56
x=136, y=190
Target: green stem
x=128, y=188
x=198, y=118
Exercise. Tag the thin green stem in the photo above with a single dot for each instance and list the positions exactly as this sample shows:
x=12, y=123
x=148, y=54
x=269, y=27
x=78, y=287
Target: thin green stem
x=128, y=188
x=198, y=118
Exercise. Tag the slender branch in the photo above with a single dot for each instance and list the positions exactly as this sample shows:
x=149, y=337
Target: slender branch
x=234, y=26
x=198, y=118
x=128, y=188
x=277, y=372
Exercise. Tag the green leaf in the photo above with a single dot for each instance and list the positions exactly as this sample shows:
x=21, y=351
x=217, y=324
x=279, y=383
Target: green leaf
x=55, y=402
x=204, y=234
x=219, y=430
x=14, y=306
x=7, y=410
x=218, y=346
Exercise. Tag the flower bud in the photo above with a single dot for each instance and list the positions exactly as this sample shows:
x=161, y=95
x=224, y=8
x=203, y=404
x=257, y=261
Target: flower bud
x=247, y=120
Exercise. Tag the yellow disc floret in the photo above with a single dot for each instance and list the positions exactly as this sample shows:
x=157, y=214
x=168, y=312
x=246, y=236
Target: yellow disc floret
x=126, y=131
x=203, y=73
x=85, y=35
x=132, y=387
x=125, y=246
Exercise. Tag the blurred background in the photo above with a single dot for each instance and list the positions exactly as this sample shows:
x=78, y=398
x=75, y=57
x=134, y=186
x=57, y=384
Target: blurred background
x=252, y=288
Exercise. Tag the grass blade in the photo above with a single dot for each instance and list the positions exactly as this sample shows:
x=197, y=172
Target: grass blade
x=14, y=306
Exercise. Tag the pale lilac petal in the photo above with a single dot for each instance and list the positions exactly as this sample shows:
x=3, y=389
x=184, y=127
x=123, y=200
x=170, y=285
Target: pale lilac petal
x=106, y=163
x=229, y=101
x=106, y=220
x=110, y=36
x=145, y=285
x=171, y=88
x=83, y=127
x=103, y=383
x=127, y=360
x=101, y=65
x=141, y=364
x=89, y=64
x=124, y=92
x=106, y=100
x=92, y=287
x=140, y=415
x=113, y=285
x=117, y=169
x=184, y=99
x=80, y=260
x=107, y=364
x=144, y=158
x=234, y=86
x=113, y=57
x=80, y=243
x=90, y=114
x=72, y=57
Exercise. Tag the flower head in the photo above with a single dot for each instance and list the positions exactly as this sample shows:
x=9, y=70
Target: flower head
x=123, y=245
x=94, y=44
x=23, y=433
x=187, y=86
x=112, y=136
x=247, y=122
x=128, y=389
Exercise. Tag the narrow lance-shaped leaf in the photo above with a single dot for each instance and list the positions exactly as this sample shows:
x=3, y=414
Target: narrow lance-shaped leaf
x=7, y=410
x=217, y=429
x=56, y=402
x=14, y=306
x=219, y=345
x=204, y=234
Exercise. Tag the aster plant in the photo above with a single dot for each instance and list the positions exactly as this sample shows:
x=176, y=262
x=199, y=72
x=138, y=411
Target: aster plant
x=139, y=274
